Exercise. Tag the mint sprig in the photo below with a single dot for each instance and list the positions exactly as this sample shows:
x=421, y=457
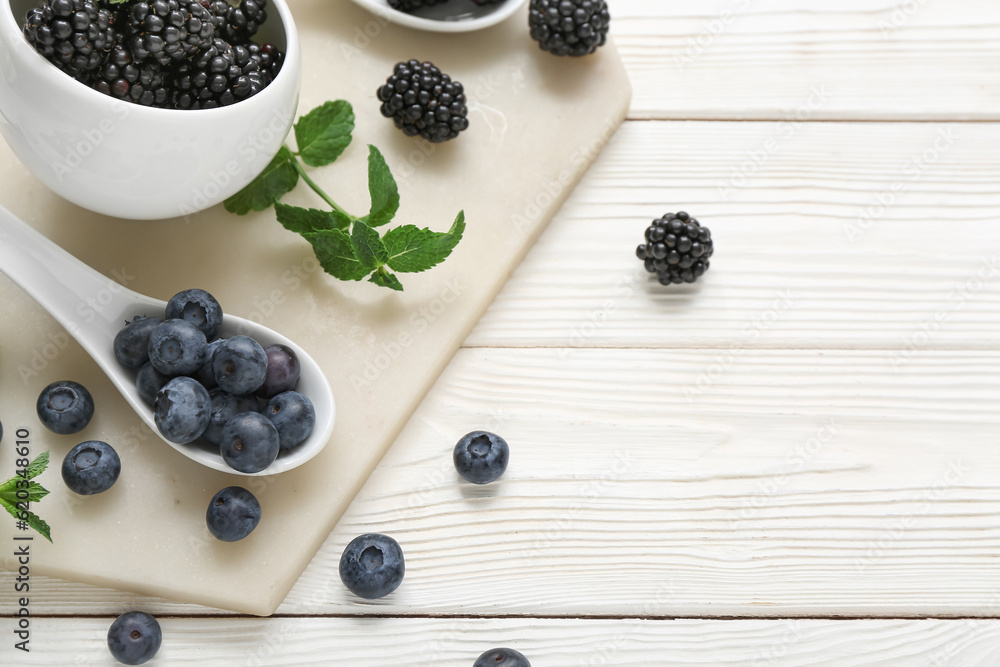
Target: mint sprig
x=348, y=247
x=23, y=481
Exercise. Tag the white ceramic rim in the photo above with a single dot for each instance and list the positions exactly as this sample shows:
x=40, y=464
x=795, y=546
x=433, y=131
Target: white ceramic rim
x=382, y=8
x=12, y=31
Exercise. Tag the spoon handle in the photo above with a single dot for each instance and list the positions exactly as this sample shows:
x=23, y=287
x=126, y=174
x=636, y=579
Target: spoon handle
x=86, y=303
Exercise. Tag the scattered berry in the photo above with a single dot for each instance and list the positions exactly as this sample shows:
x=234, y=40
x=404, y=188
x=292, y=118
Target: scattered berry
x=134, y=638
x=294, y=417
x=225, y=407
x=240, y=365
x=481, y=457
x=423, y=101
x=233, y=513
x=372, y=566
x=282, y=371
x=182, y=410
x=502, y=657
x=72, y=34
x=132, y=343
x=65, y=407
x=91, y=467
x=199, y=308
x=677, y=249
x=249, y=442
x=177, y=347
x=569, y=27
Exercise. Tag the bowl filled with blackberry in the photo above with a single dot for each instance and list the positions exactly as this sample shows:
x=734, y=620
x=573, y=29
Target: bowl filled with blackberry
x=147, y=109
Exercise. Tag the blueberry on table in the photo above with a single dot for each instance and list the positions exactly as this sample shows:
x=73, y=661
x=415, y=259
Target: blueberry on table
x=199, y=308
x=294, y=417
x=91, y=467
x=132, y=342
x=282, y=371
x=225, y=406
x=677, y=249
x=149, y=381
x=232, y=514
x=372, y=566
x=481, y=457
x=182, y=410
x=134, y=638
x=249, y=442
x=65, y=407
x=240, y=365
x=502, y=657
x=177, y=347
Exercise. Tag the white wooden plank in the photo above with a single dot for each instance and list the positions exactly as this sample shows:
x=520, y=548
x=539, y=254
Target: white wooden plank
x=457, y=642
x=807, y=255
x=777, y=59
x=792, y=483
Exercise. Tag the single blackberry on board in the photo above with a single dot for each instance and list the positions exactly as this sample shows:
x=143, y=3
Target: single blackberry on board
x=677, y=248
x=146, y=83
x=238, y=24
x=413, y=5
x=423, y=101
x=569, y=27
x=216, y=79
x=72, y=34
x=166, y=30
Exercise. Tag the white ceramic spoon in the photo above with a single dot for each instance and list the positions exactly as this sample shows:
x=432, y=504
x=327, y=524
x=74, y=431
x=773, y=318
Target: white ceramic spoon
x=94, y=308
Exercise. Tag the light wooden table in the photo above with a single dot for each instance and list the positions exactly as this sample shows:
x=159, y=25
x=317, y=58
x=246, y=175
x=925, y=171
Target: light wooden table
x=794, y=463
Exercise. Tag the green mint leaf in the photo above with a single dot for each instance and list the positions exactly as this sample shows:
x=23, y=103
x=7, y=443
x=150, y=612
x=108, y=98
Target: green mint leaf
x=335, y=254
x=368, y=247
x=306, y=220
x=277, y=178
x=32, y=519
x=386, y=279
x=38, y=466
x=34, y=469
x=412, y=250
x=382, y=186
x=324, y=133
x=34, y=490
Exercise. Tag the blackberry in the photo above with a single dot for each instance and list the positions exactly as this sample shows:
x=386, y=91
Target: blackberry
x=423, y=101
x=569, y=27
x=219, y=76
x=146, y=83
x=73, y=34
x=413, y=5
x=268, y=58
x=677, y=248
x=166, y=30
x=238, y=24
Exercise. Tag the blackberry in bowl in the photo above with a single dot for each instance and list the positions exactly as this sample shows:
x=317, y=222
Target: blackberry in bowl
x=108, y=137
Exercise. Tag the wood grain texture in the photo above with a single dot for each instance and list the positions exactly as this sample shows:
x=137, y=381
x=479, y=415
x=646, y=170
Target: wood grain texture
x=794, y=483
x=854, y=59
x=835, y=235
x=376, y=642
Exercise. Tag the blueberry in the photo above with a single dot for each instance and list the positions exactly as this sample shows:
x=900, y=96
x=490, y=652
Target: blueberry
x=149, y=381
x=205, y=375
x=1, y=432
x=132, y=342
x=372, y=566
x=502, y=657
x=282, y=371
x=177, y=347
x=65, y=407
x=134, y=638
x=182, y=410
x=293, y=415
x=481, y=457
x=240, y=365
x=232, y=514
x=225, y=407
x=199, y=308
x=91, y=467
x=249, y=442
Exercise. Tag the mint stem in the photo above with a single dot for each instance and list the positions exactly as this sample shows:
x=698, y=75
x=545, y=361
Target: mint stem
x=318, y=190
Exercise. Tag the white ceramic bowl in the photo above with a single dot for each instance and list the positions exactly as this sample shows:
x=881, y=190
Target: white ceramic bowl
x=447, y=17
x=130, y=161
